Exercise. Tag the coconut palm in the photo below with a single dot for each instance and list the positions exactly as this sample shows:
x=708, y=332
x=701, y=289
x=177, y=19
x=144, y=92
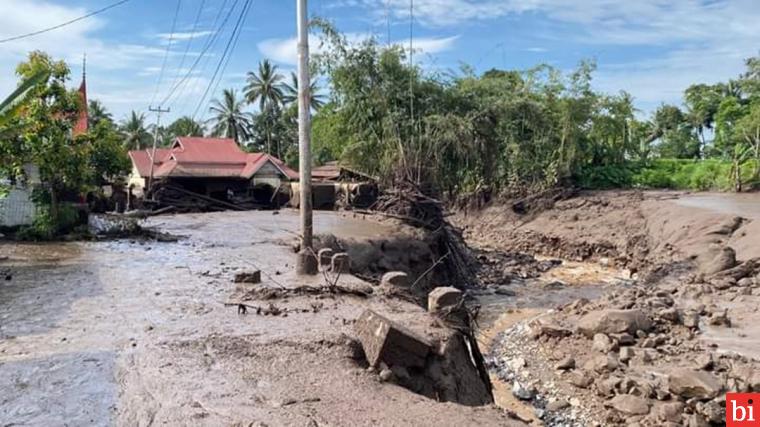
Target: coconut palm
x=9, y=106
x=96, y=113
x=229, y=118
x=290, y=93
x=136, y=134
x=186, y=126
x=264, y=87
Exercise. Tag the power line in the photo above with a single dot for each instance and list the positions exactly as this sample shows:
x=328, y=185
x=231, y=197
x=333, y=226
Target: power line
x=168, y=49
x=55, y=27
x=243, y=12
x=190, y=41
x=202, y=55
x=234, y=45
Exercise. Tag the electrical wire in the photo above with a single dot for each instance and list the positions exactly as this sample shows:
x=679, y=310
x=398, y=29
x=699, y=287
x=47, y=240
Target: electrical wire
x=55, y=27
x=234, y=45
x=190, y=41
x=243, y=13
x=168, y=49
x=209, y=44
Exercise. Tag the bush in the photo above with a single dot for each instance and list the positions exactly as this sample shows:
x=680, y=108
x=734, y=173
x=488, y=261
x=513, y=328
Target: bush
x=45, y=228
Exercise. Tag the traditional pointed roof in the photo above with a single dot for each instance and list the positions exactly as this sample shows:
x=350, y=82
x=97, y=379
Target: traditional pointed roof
x=81, y=126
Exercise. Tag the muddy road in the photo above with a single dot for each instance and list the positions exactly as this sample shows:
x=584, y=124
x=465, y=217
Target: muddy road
x=136, y=333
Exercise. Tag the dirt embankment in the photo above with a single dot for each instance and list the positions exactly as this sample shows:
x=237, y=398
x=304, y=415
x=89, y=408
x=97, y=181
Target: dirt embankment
x=661, y=348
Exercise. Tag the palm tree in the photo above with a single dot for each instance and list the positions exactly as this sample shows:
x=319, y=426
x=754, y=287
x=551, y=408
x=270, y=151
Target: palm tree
x=10, y=106
x=230, y=120
x=96, y=113
x=186, y=126
x=135, y=132
x=264, y=87
x=290, y=93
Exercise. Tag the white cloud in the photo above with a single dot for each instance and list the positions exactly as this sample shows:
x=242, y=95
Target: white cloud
x=184, y=36
x=286, y=50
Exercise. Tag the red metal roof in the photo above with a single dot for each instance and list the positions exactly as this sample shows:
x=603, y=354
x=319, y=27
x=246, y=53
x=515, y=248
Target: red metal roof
x=206, y=157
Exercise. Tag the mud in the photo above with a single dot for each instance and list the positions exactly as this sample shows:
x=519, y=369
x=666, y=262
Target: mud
x=647, y=250
x=137, y=333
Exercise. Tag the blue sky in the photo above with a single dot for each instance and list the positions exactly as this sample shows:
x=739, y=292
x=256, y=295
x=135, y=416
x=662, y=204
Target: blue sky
x=650, y=48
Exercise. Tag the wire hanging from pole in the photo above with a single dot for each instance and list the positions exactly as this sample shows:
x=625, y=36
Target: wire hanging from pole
x=166, y=54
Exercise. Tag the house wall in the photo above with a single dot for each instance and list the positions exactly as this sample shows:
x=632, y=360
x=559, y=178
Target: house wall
x=136, y=182
x=268, y=174
x=17, y=207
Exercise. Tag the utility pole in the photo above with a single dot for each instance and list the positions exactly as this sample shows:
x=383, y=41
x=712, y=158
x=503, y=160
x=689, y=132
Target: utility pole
x=307, y=260
x=158, y=110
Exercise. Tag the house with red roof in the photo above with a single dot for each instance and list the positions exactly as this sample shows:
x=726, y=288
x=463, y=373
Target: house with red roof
x=213, y=167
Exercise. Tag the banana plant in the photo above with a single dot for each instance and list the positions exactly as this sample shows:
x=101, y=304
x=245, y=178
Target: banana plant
x=10, y=106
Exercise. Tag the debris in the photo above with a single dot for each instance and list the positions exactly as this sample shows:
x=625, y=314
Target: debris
x=724, y=259
x=614, y=321
x=522, y=392
x=248, y=277
x=341, y=263
x=324, y=256
x=395, y=279
x=386, y=341
x=603, y=343
x=689, y=383
x=443, y=297
x=566, y=363
x=629, y=405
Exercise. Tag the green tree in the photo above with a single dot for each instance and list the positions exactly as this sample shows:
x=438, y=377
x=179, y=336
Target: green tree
x=135, y=132
x=290, y=93
x=229, y=119
x=97, y=113
x=264, y=87
x=186, y=126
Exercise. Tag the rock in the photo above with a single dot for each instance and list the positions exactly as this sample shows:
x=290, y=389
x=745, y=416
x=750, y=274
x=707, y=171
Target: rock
x=580, y=379
x=607, y=387
x=386, y=341
x=517, y=364
x=689, y=383
x=443, y=298
x=557, y=405
x=395, y=279
x=703, y=361
x=746, y=282
x=670, y=314
x=629, y=405
x=720, y=318
x=626, y=354
x=601, y=363
x=690, y=319
x=602, y=343
x=623, y=339
x=650, y=342
x=340, y=263
x=386, y=375
x=324, y=256
x=670, y=412
x=566, y=363
x=522, y=392
x=614, y=322
x=696, y=420
x=501, y=290
x=550, y=329
x=712, y=411
x=723, y=259
x=248, y=277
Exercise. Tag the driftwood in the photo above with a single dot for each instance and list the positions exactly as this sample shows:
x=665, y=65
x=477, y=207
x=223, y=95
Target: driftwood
x=144, y=213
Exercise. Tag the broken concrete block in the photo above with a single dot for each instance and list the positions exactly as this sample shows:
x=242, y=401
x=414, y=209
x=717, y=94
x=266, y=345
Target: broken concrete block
x=443, y=297
x=340, y=263
x=395, y=279
x=248, y=277
x=385, y=341
x=325, y=257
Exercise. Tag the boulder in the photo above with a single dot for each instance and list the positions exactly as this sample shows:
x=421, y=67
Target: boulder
x=670, y=412
x=722, y=259
x=442, y=298
x=603, y=344
x=580, y=379
x=613, y=322
x=626, y=354
x=395, y=279
x=340, y=263
x=523, y=392
x=549, y=329
x=602, y=363
x=689, y=383
x=628, y=404
x=557, y=405
x=385, y=341
x=566, y=363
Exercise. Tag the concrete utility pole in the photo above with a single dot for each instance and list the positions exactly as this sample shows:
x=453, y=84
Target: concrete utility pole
x=307, y=260
x=155, y=141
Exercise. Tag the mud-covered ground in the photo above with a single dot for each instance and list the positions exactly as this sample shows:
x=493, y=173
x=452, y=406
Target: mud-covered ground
x=649, y=319
x=136, y=333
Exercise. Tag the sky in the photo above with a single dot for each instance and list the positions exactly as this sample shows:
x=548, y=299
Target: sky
x=652, y=49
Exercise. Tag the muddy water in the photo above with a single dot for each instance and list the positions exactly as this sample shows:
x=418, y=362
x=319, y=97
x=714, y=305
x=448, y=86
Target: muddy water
x=744, y=205
x=534, y=298
x=83, y=325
